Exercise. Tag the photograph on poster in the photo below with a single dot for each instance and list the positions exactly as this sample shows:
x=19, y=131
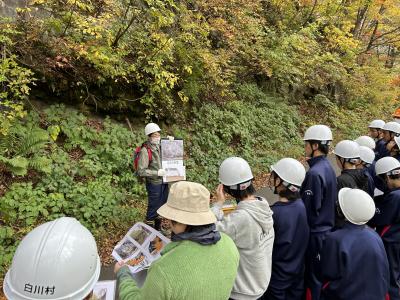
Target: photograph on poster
x=104, y=290
x=172, y=150
x=139, y=234
x=126, y=249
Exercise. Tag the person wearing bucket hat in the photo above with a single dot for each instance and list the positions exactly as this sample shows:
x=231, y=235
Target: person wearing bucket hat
x=353, y=259
x=56, y=260
x=200, y=262
x=319, y=195
x=387, y=219
x=149, y=167
x=291, y=230
x=250, y=226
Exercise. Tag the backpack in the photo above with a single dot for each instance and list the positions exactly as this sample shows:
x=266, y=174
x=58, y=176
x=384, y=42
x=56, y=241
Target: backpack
x=136, y=155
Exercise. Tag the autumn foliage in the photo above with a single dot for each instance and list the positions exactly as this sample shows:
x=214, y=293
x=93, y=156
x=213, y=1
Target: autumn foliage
x=165, y=57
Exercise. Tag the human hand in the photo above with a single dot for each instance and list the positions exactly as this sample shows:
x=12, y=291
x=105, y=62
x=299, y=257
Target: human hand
x=220, y=194
x=118, y=266
x=390, y=145
x=161, y=172
x=171, y=138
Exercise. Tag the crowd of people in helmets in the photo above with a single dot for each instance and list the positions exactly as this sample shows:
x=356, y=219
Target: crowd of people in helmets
x=327, y=237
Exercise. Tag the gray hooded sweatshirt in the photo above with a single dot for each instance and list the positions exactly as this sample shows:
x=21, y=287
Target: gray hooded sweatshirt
x=251, y=228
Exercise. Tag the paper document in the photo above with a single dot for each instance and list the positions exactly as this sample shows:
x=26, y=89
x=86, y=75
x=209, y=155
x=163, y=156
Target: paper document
x=140, y=247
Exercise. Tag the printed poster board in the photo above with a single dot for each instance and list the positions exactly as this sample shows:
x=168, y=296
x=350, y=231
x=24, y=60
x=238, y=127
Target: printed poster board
x=172, y=160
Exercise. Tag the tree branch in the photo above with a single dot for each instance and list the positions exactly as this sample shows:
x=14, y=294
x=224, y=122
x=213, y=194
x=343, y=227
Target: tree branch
x=310, y=14
x=386, y=33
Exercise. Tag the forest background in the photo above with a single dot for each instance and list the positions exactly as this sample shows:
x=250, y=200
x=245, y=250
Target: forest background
x=231, y=77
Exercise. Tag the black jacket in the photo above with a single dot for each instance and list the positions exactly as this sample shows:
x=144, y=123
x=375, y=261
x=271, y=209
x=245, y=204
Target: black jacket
x=355, y=179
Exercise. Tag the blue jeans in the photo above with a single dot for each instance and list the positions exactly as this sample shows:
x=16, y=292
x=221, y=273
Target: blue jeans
x=157, y=195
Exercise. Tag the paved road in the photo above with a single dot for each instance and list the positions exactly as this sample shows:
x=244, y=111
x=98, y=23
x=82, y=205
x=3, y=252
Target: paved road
x=268, y=194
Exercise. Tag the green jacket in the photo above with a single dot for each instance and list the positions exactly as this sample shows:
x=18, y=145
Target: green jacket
x=186, y=270
x=149, y=171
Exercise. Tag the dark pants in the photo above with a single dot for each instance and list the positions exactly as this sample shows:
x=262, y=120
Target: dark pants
x=393, y=255
x=313, y=262
x=292, y=291
x=157, y=195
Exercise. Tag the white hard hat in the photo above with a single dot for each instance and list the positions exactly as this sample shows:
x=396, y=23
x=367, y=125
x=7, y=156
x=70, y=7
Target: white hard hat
x=234, y=170
x=397, y=140
x=347, y=149
x=290, y=171
x=392, y=127
x=357, y=206
x=318, y=133
x=366, y=141
x=56, y=260
x=377, y=124
x=386, y=165
x=151, y=128
x=367, y=155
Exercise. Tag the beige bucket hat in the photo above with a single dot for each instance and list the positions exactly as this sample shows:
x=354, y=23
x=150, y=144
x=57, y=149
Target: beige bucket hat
x=188, y=203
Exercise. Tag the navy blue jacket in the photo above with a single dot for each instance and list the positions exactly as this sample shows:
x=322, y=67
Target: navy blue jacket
x=387, y=216
x=319, y=194
x=380, y=149
x=290, y=243
x=371, y=183
x=354, y=265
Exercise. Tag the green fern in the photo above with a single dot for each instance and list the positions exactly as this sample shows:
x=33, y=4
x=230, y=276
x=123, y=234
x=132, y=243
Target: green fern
x=32, y=142
x=42, y=164
x=19, y=145
x=17, y=165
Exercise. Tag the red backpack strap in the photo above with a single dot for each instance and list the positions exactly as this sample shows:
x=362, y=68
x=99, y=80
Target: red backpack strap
x=149, y=152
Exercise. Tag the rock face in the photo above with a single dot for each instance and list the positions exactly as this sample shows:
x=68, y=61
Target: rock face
x=7, y=7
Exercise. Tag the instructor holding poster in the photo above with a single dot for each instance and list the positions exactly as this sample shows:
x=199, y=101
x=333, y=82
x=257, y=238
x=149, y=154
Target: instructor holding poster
x=152, y=171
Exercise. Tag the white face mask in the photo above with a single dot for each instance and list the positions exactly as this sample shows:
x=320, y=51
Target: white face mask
x=155, y=141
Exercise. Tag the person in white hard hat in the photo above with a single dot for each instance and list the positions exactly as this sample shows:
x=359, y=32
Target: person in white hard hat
x=199, y=263
x=393, y=148
x=318, y=192
x=387, y=218
x=56, y=260
x=366, y=141
x=250, y=226
x=390, y=131
x=151, y=170
x=291, y=232
x=353, y=260
x=375, y=131
x=367, y=164
x=348, y=158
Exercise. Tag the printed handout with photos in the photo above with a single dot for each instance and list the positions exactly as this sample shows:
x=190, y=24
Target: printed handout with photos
x=104, y=290
x=140, y=247
x=172, y=160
